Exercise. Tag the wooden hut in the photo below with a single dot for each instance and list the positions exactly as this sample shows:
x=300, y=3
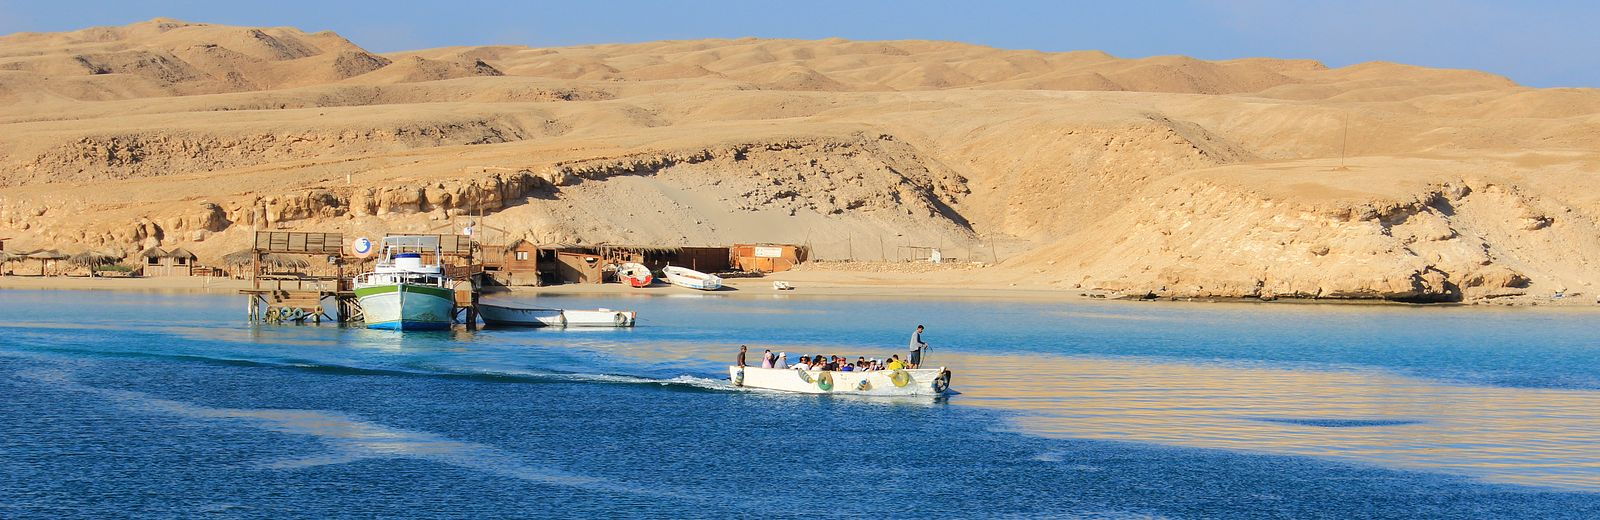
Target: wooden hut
x=579, y=266
x=177, y=262
x=768, y=258
x=519, y=263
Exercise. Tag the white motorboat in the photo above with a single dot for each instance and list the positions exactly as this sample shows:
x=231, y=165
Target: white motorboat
x=517, y=316
x=599, y=318
x=514, y=316
x=685, y=277
x=406, y=291
x=918, y=381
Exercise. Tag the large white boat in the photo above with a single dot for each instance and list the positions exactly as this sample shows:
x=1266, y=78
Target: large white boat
x=685, y=277
x=408, y=290
x=517, y=316
x=918, y=381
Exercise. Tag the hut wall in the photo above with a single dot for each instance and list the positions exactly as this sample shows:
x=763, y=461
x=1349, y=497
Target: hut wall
x=574, y=267
x=767, y=258
x=704, y=259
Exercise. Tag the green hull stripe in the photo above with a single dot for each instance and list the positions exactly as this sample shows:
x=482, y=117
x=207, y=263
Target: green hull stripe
x=363, y=292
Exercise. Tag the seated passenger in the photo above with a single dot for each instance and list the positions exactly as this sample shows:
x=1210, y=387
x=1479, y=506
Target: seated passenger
x=782, y=361
x=804, y=364
x=895, y=363
x=766, y=359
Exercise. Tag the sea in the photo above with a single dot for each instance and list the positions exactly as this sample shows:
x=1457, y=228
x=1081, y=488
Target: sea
x=162, y=405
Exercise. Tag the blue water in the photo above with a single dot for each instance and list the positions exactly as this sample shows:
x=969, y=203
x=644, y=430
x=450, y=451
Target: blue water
x=123, y=404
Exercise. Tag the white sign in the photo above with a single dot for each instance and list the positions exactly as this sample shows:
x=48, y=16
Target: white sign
x=361, y=247
x=769, y=252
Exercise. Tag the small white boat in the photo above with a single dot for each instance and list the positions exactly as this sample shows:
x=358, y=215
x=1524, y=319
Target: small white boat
x=685, y=277
x=917, y=381
x=513, y=316
x=516, y=316
x=782, y=286
x=599, y=318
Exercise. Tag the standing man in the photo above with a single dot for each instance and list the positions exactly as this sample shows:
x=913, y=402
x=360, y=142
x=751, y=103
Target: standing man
x=916, y=348
x=742, y=350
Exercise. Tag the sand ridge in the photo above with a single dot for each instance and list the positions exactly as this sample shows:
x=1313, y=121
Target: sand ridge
x=1160, y=176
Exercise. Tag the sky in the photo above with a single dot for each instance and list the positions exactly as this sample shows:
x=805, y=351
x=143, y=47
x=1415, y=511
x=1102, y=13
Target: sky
x=1542, y=43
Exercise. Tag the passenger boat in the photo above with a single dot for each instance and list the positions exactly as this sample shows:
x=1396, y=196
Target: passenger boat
x=636, y=275
x=685, y=277
x=516, y=316
x=917, y=381
x=407, y=291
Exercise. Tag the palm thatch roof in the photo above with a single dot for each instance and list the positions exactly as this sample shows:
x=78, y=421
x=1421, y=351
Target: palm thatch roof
x=9, y=257
x=154, y=252
x=94, y=258
x=243, y=258
x=179, y=252
x=48, y=254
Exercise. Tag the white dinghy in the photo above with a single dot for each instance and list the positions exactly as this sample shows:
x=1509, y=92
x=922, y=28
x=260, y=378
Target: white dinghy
x=911, y=381
x=516, y=316
x=685, y=277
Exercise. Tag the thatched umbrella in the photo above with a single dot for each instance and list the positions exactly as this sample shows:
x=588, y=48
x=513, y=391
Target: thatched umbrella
x=6, y=258
x=276, y=261
x=45, y=256
x=92, y=259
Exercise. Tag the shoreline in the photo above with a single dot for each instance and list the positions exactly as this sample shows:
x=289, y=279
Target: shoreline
x=808, y=284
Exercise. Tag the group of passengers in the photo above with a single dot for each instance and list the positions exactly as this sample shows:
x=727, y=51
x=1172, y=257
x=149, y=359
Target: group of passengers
x=841, y=363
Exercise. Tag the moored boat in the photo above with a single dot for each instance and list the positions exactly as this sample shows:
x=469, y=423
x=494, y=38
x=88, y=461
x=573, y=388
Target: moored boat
x=685, y=277
x=405, y=291
x=918, y=381
x=599, y=318
x=514, y=316
x=517, y=316
x=635, y=274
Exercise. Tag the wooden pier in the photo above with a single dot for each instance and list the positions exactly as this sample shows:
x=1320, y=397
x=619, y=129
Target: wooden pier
x=277, y=297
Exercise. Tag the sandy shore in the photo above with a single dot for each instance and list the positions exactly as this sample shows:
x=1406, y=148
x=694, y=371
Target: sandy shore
x=808, y=283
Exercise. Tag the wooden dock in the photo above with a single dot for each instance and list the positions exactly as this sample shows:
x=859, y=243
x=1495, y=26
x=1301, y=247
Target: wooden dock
x=298, y=298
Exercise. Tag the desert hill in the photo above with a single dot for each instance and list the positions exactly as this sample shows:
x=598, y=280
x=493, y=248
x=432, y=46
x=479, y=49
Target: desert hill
x=1166, y=175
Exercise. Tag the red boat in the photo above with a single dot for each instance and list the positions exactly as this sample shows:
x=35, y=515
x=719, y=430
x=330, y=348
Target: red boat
x=636, y=275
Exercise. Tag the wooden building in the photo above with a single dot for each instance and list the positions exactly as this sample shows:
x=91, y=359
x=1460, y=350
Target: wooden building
x=177, y=262
x=579, y=267
x=768, y=258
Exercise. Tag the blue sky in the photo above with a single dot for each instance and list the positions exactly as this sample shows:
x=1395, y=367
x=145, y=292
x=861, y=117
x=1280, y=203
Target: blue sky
x=1539, y=43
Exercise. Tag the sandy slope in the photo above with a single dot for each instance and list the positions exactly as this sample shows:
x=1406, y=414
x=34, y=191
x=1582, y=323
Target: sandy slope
x=1165, y=175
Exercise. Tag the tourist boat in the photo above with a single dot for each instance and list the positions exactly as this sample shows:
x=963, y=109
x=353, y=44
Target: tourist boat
x=636, y=275
x=919, y=381
x=685, y=277
x=516, y=316
x=513, y=316
x=408, y=290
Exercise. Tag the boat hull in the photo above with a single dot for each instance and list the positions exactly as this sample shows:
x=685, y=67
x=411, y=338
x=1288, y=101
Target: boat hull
x=406, y=306
x=504, y=316
x=599, y=318
x=924, y=381
x=692, y=279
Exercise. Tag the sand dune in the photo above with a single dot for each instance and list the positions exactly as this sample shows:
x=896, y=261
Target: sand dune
x=1168, y=175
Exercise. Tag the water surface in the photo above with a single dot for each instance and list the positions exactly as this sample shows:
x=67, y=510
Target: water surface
x=156, y=404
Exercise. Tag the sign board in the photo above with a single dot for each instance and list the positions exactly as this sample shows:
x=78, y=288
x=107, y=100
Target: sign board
x=769, y=252
x=299, y=242
x=362, y=247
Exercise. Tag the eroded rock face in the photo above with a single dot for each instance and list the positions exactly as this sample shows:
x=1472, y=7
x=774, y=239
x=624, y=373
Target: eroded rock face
x=1449, y=242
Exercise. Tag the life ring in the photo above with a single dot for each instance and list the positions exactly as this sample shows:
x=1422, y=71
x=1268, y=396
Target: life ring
x=621, y=320
x=270, y=315
x=825, y=381
x=864, y=385
x=941, y=383
x=804, y=376
x=286, y=313
x=738, y=378
x=317, y=311
x=900, y=378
